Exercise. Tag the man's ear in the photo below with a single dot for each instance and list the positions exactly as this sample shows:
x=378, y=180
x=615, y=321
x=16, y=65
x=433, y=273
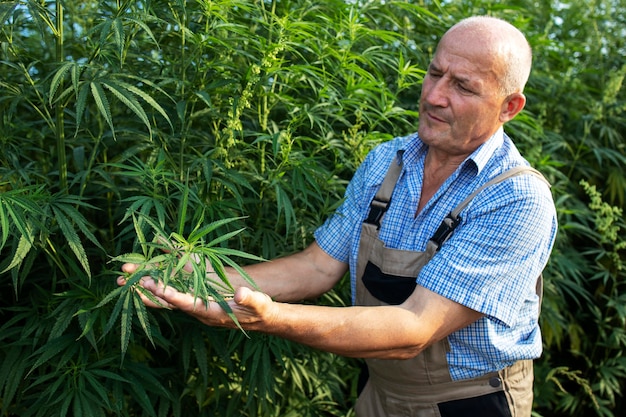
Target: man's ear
x=511, y=106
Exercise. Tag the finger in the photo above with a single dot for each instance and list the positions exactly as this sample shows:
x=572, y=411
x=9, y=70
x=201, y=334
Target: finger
x=154, y=301
x=159, y=298
x=171, y=296
x=209, y=312
x=129, y=268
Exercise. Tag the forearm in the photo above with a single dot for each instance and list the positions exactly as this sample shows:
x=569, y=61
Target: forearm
x=365, y=331
x=390, y=332
x=386, y=332
x=303, y=275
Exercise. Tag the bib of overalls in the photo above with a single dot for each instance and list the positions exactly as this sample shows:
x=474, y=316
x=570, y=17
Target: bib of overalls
x=422, y=386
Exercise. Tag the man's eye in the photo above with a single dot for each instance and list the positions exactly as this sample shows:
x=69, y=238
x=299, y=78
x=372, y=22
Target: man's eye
x=464, y=89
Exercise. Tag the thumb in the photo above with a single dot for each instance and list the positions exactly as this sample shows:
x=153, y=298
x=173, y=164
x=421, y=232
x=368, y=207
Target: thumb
x=256, y=309
x=251, y=299
x=244, y=296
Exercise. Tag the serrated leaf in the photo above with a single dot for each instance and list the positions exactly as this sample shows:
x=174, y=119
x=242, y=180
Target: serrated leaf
x=150, y=296
x=226, y=307
x=158, y=230
x=51, y=349
x=201, y=354
x=163, y=258
x=147, y=98
x=4, y=225
x=41, y=16
x=121, y=292
x=142, y=397
x=235, y=252
x=198, y=234
x=102, y=373
x=58, y=78
x=75, y=76
x=63, y=316
x=142, y=24
x=129, y=100
x=72, y=238
x=182, y=262
x=23, y=247
x=6, y=10
x=93, y=385
x=20, y=222
x=118, y=34
x=131, y=258
x=126, y=321
x=86, y=320
x=102, y=103
x=105, y=29
x=140, y=235
x=65, y=406
x=67, y=205
x=11, y=374
x=224, y=237
x=283, y=203
x=136, y=206
x=142, y=315
x=110, y=296
x=241, y=272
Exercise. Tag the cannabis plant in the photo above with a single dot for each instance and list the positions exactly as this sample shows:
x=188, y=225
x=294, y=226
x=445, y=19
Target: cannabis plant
x=190, y=136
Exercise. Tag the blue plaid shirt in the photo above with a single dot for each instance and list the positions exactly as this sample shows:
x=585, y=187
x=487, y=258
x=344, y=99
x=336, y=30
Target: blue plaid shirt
x=490, y=263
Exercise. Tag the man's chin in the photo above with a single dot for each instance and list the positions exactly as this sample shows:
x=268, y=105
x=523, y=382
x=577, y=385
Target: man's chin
x=429, y=136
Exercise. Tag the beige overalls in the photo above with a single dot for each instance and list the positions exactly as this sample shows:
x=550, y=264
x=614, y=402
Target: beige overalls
x=422, y=386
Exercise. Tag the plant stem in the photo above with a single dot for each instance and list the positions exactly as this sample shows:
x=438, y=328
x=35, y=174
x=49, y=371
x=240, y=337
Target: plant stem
x=59, y=107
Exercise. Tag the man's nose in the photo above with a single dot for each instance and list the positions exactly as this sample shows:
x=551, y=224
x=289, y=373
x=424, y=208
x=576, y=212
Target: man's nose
x=436, y=93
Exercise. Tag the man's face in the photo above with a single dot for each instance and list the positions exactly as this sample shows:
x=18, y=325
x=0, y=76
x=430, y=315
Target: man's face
x=460, y=104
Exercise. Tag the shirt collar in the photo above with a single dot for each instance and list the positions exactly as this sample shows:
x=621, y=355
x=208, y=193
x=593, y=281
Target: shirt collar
x=414, y=149
x=483, y=154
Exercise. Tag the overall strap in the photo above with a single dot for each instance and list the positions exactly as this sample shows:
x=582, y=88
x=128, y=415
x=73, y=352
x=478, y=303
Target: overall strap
x=453, y=219
x=522, y=169
x=382, y=199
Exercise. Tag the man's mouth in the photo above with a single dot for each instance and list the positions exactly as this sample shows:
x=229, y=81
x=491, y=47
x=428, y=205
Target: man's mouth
x=431, y=116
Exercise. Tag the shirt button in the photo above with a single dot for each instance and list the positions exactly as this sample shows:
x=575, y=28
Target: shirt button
x=495, y=382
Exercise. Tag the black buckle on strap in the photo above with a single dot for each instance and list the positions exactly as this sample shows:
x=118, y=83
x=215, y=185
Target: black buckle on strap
x=445, y=229
x=378, y=208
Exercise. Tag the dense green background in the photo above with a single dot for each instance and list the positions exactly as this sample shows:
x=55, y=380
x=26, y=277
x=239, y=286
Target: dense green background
x=123, y=117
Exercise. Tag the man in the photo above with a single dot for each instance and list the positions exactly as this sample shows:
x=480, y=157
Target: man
x=448, y=326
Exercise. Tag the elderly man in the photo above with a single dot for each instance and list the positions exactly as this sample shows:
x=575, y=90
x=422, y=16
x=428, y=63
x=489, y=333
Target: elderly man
x=445, y=254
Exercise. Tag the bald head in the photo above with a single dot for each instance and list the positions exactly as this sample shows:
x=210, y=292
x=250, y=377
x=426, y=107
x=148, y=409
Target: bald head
x=504, y=43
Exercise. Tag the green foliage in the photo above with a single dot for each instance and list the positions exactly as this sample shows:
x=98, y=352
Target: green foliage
x=584, y=367
x=230, y=128
x=227, y=128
